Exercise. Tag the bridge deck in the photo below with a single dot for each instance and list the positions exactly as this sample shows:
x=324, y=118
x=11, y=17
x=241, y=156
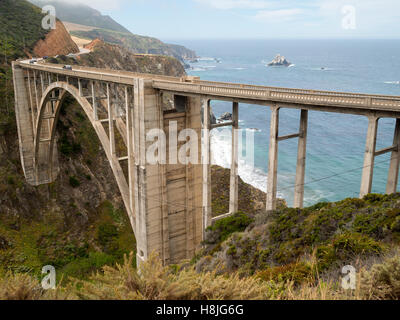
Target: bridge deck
x=347, y=102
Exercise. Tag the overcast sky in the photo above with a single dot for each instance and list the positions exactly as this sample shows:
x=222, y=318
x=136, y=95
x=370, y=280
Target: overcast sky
x=189, y=19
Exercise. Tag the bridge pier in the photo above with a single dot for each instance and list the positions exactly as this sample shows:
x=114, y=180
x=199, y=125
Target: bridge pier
x=272, y=183
x=273, y=159
x=234, y=176
x=301, y=161
x=371, y=153
x=393, y=174
x=167, y=195
x=369, y=157
x=206, y=160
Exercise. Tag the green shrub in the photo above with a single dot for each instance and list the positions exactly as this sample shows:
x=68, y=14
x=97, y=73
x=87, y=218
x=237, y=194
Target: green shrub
x=382, y=281
x=82, y=267
x=395, y=226
x=106, y=233
x=74, y=182
x=10, y=180
x=297, y=273
x=223, y=228
x=373, y=198
x=345, y=247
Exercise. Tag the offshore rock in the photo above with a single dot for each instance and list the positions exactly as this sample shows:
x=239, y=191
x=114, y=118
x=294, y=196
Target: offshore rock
x=226, y=117
x=279, y=61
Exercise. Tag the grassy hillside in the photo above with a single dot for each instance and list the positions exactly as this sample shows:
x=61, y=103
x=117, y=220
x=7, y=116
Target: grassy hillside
x=301, y=244
x=68, y=224
x=154, y=282
x=20, y=29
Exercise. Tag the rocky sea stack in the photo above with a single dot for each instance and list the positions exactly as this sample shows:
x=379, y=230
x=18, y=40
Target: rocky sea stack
x=279, y=61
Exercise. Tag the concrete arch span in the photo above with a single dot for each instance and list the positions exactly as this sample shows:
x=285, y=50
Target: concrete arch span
x=45, y=159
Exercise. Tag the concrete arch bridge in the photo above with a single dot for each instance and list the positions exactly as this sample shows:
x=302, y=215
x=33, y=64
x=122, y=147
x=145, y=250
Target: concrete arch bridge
x=169, y=205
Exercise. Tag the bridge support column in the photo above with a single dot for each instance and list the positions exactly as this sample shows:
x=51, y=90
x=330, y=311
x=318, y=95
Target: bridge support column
x=36, y=90
x=234, y=181
x=273, y=160
x=24, y=124
x=393, y=175
x=301, y=160
x=148, y=181
x=42, y=82
x=33, y=106
x=94, y=102
x=79, y=86
x=206, y=158
x=110, y=110
x=369, y=158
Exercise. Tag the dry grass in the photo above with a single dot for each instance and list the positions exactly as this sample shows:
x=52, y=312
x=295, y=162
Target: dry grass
x=155, y=282
x=24, y=287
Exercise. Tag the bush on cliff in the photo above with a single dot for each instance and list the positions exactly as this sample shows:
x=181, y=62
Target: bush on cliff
x=334, y=234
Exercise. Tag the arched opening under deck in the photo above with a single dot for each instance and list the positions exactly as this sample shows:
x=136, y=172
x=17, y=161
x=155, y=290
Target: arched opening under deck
x=61, y=107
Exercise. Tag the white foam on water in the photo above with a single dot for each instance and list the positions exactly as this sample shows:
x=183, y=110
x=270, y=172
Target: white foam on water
x=207, y=67
x=205, y=59
x=253, y=130
x=221, y=156
x=392, y=82
x=315, y=196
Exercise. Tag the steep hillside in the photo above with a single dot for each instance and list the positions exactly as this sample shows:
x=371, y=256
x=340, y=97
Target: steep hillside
x=78, y=222
x=104, y=55
x=117, y=57
x=78, y=13
x=300, y=244
x=20, y=29
x=136, y=43
x=88, y=23
x=57, y=41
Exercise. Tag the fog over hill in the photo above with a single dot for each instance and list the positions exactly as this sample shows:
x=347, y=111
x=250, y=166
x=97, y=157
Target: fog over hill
x=110, y=31
x=81, y=14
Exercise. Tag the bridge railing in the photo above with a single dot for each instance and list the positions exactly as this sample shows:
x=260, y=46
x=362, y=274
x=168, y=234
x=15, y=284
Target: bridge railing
x=233, y=90
x=106, y=75
x=296, y=96
x=293, y=90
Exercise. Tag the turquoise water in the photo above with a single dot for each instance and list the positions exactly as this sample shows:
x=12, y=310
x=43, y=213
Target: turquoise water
x=336, y=142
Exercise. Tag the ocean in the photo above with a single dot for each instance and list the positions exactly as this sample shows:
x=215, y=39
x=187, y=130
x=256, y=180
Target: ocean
x=336, y=142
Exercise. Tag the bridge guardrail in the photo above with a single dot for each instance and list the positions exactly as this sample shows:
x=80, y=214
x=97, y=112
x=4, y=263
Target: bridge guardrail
x=232, y=90
x=282, y=94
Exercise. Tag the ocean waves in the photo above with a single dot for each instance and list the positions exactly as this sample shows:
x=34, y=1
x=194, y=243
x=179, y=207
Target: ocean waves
x=256, y=177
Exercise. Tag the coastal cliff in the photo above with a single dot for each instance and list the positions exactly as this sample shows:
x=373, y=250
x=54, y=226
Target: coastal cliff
x=104, y=55
x=57, y=41
x=85, y=22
